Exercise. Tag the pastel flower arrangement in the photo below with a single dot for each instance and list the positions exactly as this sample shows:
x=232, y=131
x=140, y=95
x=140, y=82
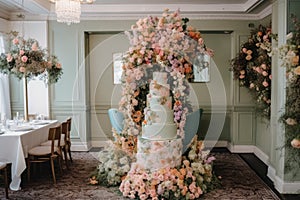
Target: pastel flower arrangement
x=252, y=68
x=188, y=181
x=114, y=164
x=26, y=58
x=164, y=43
x=289, y=55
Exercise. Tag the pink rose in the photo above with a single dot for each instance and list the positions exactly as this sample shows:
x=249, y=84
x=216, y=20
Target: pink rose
x=22, y=69
x=265, y=83
x=9, y=58
x=15, y=41
x=264, y=73
x=244, y=50
x=270, y=77
x=24, y=59
x=21, y=52
x=295, y=143
x=242, y=76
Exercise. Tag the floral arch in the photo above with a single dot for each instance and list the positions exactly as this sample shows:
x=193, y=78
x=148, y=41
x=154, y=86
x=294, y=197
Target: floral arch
x=158, y=44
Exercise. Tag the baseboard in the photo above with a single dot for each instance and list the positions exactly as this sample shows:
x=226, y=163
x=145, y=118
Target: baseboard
x=81, y=146
x=100, y=143
x=212, y=143
x=281, y=186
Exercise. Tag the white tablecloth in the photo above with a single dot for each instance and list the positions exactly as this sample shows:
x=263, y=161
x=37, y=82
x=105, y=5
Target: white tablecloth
x=14, y=146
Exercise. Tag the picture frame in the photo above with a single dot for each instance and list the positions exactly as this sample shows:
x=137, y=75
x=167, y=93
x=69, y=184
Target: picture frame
x=201, y=68
x=117, y=67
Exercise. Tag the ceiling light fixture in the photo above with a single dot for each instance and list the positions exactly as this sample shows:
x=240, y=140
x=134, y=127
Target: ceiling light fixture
x=69, y=11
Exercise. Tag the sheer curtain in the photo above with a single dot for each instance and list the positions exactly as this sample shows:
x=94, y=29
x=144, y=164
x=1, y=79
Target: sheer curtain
x=4, y=86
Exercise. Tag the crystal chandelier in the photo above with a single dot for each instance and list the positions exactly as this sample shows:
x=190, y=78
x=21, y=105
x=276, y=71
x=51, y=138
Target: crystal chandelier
x=68, y=11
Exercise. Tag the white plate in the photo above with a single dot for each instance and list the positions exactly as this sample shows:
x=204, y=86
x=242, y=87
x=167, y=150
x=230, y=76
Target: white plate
x=22, y=128
x=38, y=122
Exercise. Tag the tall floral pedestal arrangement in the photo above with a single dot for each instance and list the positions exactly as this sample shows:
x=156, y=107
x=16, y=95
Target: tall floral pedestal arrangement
x=165, y=44
x=26, y=59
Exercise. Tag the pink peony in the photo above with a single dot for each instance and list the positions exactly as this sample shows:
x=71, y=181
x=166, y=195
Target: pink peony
x=24, y=59
x=295, y=143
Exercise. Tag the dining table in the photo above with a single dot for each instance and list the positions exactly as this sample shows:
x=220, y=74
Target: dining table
x=17, y=140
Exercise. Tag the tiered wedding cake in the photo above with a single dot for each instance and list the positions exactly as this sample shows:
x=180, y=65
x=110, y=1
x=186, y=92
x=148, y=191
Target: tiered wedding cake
x=159, y=146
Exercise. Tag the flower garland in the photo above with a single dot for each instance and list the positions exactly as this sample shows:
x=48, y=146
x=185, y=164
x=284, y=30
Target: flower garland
x=289, y=54
x=158, y=44
x=26, y=58
x=252, y=67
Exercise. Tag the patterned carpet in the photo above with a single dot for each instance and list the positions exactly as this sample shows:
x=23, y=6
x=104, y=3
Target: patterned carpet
x=238, y=182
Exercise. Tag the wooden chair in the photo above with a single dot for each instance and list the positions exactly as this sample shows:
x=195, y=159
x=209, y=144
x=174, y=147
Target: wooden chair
x=46, y=153
x=63, y=141
x=3, y=167
x=68, y=138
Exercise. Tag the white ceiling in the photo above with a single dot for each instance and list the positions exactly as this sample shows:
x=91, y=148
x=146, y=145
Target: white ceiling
x=131, y=9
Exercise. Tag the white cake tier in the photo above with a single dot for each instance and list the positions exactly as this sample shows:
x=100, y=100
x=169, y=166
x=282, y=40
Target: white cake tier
x=162, y=116
x=158, y=154
x=160, y=77
x=159, y=100
x=159, y=90
x=159, y=131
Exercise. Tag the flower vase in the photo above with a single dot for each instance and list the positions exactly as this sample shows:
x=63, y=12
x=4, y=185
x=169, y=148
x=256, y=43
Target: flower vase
x=25, y=93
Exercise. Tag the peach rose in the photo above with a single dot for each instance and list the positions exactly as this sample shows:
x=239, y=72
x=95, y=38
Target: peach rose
x=22, y=69
x=58, y=65
x=251, y=85
x=295, y=143
x=291, y=121
x=249, y=52
x=297, y=70
x=248, y=57
x=295, y=60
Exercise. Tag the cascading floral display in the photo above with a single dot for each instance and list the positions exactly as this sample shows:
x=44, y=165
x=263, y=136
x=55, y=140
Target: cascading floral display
x=27, y=58
x=252, y=67
x=158, y=44
x=289, y=54
x=164, y=44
